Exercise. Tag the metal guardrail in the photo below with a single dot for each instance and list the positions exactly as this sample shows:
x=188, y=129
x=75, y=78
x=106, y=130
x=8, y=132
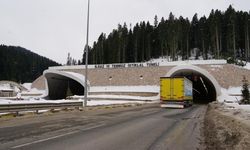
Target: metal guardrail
x=5, y=108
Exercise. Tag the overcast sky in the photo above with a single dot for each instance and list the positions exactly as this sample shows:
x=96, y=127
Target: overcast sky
x=52, y=28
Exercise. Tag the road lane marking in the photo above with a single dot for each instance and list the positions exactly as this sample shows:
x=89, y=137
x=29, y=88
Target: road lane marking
x=42, y=140
x=89, y=128
x=55, y=137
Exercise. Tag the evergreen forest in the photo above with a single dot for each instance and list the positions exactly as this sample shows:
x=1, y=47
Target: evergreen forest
x=221, y=35
x=21, y=65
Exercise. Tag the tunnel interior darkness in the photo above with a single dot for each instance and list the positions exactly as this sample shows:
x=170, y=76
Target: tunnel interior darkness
x=203, y=89
x=59, y=87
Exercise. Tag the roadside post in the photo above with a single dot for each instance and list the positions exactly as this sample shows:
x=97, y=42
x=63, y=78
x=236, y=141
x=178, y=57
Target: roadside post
x=86, y=61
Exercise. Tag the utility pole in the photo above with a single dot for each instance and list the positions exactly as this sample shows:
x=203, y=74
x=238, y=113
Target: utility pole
x=86, y=60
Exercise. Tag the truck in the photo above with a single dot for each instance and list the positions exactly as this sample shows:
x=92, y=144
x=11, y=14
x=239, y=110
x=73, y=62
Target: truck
x=176, y=92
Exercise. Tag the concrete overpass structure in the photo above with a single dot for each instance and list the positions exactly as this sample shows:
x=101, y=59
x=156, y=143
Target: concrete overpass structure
x=213, y=74
x=60, y=84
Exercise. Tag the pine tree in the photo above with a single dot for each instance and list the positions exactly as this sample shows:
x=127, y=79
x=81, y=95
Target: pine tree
x=173, y=36
x=155, y=21
x=68, y=63
x=222, y=35
x=247, y=48
x=130, y=48
x=194, y=32
x=149, y=31
x=230, y=16
x=245, y=91
x=203, y=29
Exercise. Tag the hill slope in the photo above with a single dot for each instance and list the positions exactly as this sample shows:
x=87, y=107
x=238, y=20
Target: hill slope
x=21, y=65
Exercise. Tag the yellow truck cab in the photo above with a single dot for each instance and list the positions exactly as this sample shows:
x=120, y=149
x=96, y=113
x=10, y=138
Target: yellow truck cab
x=176, y=92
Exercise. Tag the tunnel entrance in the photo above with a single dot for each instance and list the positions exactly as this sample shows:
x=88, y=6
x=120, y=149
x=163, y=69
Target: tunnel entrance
x=60, y=87
x=63, y=84
x=205, y=89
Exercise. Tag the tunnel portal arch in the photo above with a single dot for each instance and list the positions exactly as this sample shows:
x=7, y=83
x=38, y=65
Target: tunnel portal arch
x=60, y=84
x=202, y=80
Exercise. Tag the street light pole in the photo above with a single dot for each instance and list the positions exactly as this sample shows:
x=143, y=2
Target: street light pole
x=86, y=60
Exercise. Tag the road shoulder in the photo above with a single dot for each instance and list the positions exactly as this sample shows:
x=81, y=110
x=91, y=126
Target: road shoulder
x=225, y=128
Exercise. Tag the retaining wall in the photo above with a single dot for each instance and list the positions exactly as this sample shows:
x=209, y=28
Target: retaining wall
x=226, y=74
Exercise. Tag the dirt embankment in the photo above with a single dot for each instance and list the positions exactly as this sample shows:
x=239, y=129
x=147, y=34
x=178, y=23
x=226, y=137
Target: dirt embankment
x=226, y=128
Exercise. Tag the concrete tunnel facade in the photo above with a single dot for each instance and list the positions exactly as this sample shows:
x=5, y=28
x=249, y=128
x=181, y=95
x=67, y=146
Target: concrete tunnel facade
x=60, y=84
x=205, y=87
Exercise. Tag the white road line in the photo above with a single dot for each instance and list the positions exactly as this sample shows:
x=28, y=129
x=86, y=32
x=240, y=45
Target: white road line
x=54, y=137
x=42, y=140
x=93, y=127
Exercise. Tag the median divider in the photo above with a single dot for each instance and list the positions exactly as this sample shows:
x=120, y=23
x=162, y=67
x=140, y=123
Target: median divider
x=16, y=108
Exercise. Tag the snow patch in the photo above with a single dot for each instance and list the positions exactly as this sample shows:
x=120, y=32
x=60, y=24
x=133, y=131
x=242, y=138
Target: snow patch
x=27, y=85
x=148, y=88
x=89, y=102
x=216, y=66
x=247, y=66
x=119, y=97
x=231, y=97
x=110, y=102
x=165, y=62
x=8, y=87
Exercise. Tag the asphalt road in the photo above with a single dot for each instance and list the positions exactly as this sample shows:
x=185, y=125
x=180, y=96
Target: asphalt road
x=136, y=128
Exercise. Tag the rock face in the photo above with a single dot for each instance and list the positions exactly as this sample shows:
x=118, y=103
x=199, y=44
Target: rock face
x=226, y=75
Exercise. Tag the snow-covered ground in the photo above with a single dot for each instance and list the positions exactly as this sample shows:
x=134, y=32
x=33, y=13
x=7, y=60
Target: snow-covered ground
x=33, y=91
x=8, y=87
x=231, y=97
x=89, y=103
x=125, y=89
x=95, y=99
x=121, y=97
x=27, y=85
x=111, y=102
x=247, y=66
x=5, y=87
x=165, y=62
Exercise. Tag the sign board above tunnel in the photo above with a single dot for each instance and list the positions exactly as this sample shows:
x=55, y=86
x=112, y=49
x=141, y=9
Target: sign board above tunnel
x=126, y=65
x=146, y=64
